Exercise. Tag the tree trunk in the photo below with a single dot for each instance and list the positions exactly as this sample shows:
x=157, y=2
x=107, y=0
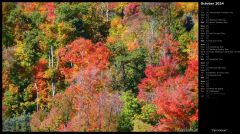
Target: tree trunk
x=109, y=119
x=123, y=76
x=53, y=79
x=169, y=18
x=37, y=94
x=107, y=14
x=49, y=59
x=52, y=54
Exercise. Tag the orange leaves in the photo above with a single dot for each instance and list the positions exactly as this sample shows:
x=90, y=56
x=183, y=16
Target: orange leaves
x=48, y=7
x=193, y=51
x=13, y=89
x=110, y=40
x=28, y=7
x=5, y=79
x=132, y=46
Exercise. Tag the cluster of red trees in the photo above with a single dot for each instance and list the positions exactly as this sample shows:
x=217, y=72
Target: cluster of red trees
x=175, y=95
x=74, y=62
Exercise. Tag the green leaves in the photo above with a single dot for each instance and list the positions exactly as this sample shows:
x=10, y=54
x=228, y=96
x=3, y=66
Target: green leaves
x=149, y=114
x=12, y=100
x=83, y=18
x=130, y=109
x=127, y=64
x=140, y=126
x=17, y=123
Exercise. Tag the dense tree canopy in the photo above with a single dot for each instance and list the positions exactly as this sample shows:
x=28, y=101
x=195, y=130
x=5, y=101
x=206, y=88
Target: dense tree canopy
x=99, y=66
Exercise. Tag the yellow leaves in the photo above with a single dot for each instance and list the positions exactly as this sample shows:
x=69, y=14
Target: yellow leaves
x=110, y=40
x=140, y=126
x=63, y=29
x=117, y=30
x=187, y=6
x=116, y=22
x=195, y=29
x=48, y=29
x=42, y=46
x=121, y=5
x=48, y=74
x=19, y=53
x=13, y=89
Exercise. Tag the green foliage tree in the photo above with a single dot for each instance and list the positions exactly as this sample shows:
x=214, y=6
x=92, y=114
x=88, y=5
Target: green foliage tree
x=130, y=109
x=127, y=66
x=83, y=19
x=12, y=100
x=149, y=114
x=140, y=126
x=8, y=36
x=17, y=123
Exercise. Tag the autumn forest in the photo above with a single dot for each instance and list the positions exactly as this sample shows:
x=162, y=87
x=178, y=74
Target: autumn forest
x=99, y=66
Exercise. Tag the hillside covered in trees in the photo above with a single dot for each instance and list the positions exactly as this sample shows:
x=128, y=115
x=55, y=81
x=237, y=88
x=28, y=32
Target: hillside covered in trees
x=116, y=66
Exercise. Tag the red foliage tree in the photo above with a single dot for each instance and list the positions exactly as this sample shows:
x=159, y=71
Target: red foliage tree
x=47, y=7
x=156, y=75
x=132, y=9
x=177, y=103
x=82, y=55
x=41, y=86
x=85, y=67
x=174, y=95
x=50, y=6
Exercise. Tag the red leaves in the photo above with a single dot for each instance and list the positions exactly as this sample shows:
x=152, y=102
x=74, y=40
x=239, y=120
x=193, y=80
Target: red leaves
x=174, y=95
x=48, y=7
x=88, y=77
x=170, y=48
x=39, y=73
x=40, y=68
x=176, y=99
x=176, y=102
x=81, y=54
x=131, y=9
x=41, y=82
x=155, y=75
x=51, y=8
